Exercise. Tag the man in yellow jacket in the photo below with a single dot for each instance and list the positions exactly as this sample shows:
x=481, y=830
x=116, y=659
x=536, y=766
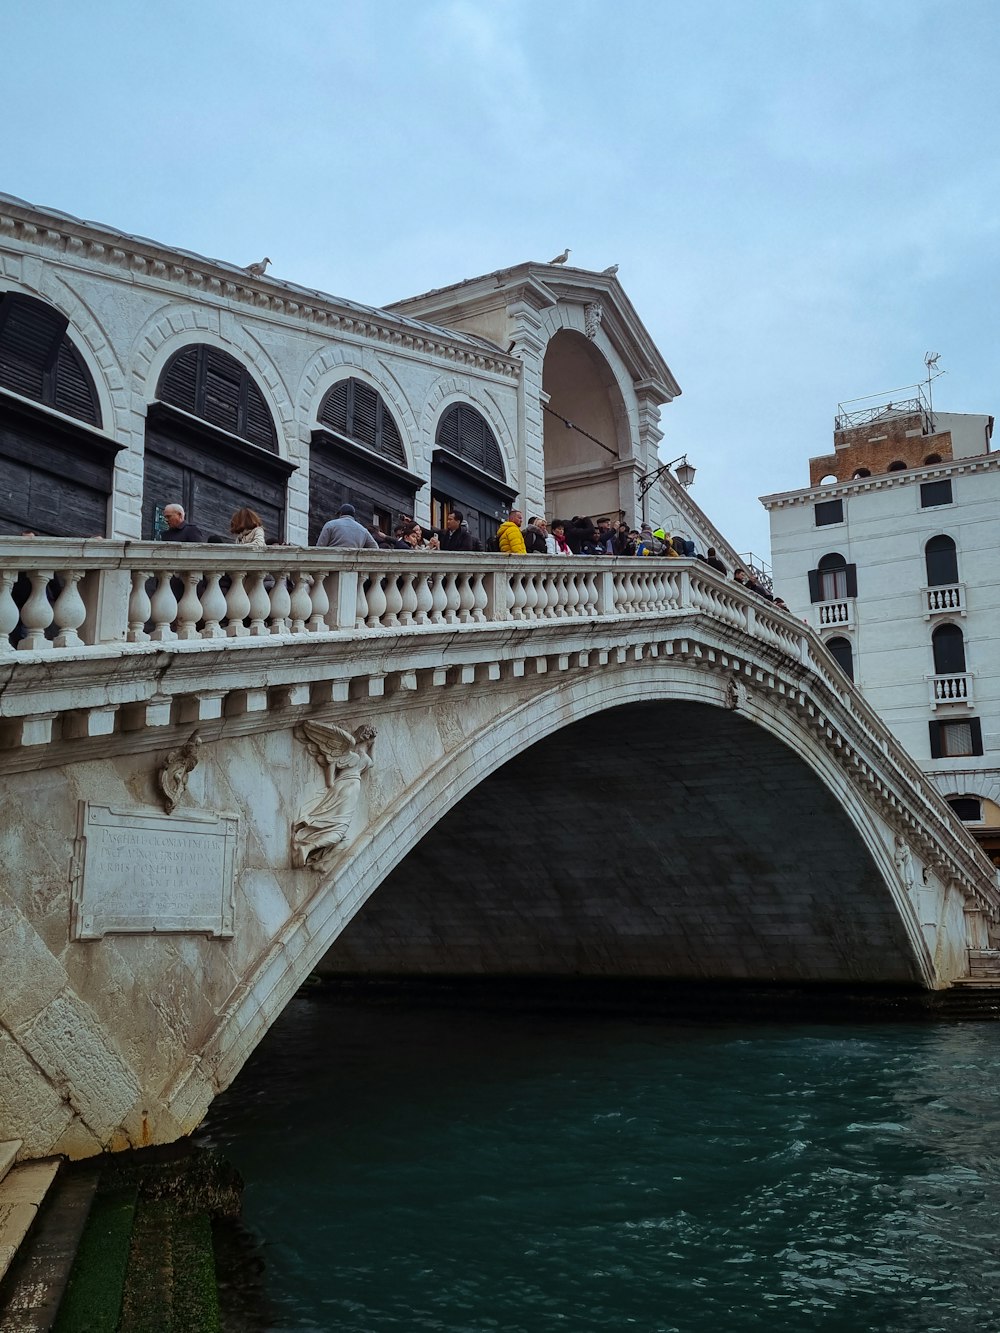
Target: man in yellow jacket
x=509, y=536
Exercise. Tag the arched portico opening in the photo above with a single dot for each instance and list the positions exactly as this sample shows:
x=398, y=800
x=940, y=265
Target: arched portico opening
x=581, y=476
x=670, y=840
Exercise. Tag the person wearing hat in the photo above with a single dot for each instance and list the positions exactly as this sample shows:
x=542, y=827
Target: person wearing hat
x=345, y=531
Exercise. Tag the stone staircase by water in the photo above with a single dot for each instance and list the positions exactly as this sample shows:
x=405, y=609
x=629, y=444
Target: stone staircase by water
x=984, y=970
x=22, y=1189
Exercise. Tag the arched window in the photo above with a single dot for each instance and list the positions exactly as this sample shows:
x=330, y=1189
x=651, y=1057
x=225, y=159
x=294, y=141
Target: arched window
x=861, y=472
x=465, y=432
x=213, y=385
x=833, y=576
x=948, y=644
x=358, y=411
x=932, y=458
x=38, y=360
x=843, y=655
x=211, y=446
x=942, y=561
x=968, y=808
x=833, y=579
x=897, y=466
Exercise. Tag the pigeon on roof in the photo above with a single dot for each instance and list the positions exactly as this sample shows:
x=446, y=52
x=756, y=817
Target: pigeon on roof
x=259, y=269
x=561, y=259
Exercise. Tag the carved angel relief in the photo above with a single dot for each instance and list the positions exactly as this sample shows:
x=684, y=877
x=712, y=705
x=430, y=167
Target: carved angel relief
x=324, y=826
x=177, y=768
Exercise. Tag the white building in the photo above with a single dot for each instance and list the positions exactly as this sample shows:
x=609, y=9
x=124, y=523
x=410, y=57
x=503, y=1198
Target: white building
x=890, y=554
x=134, y=374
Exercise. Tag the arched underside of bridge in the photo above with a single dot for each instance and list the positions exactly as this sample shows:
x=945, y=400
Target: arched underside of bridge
x=662, y=839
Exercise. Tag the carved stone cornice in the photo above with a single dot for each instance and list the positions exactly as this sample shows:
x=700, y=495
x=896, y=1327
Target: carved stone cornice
x=213, y=279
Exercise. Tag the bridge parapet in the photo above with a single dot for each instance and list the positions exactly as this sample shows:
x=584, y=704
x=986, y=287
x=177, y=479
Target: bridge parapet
x=118, y=637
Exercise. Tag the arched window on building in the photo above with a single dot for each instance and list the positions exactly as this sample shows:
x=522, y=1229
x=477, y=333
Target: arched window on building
x=861, y=472
x=942, y=561
x=948, y=644
x=968, y=808
x=212, y=446
x=357, y=457
x=468, y=472
x=843, y=654
x=56, y=465
x=833, y=579
x=897, y=466
x=932, y=458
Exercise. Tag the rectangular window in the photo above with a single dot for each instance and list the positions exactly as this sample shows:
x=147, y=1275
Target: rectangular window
x=829, y=511
x=955, y=740
x=935, y=493
x=833, y=584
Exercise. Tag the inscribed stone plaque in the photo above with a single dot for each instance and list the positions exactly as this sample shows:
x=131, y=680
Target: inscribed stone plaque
x=142, y=872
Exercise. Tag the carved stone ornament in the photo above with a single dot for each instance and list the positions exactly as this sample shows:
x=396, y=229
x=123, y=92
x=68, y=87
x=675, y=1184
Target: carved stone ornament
x=324, y=826
x=592, y=315
x=736, y=694
x=904, y=862
x=177, y=768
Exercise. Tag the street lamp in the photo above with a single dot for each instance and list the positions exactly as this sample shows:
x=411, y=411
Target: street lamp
x=684, y=474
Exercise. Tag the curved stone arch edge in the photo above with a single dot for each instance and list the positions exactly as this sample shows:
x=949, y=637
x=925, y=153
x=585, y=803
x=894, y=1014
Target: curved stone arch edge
x=316, y=925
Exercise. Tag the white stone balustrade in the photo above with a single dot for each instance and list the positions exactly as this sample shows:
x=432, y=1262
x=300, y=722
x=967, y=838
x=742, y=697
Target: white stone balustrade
x=946, y=597
x=840, y=612
x=951, y=689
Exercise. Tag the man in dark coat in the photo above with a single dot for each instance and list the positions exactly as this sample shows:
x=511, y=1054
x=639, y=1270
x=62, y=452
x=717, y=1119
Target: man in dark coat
x=178, y=529
x=456, y=535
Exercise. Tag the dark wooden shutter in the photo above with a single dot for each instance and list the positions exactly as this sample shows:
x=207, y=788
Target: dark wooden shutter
x=465, y=432
x=29, y=344
x=223, y=383
x=333, y=412
x=934, y=728
x=852, y=580
x=179, y=382
x=815, y=586
x=976, y=727
x=259, y=426
x=364, y=414
x=73, y=389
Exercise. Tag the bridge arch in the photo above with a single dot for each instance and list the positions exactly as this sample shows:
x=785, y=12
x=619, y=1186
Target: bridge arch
x=367, y=868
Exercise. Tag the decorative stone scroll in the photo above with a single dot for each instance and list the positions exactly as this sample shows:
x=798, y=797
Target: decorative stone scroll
x=177, y=768
x=138, y=871
x=593, y=313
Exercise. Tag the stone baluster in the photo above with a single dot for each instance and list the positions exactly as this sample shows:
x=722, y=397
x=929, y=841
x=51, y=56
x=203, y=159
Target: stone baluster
x=376, y=601
x=139, y=607
x=9, y=614
x=320, y=605
x=425, y=600
x=551, y=595
x=189, y=609
x=393, y=601
x=260, y=605
x=36, y=613
x=281, y=603
x=519, y=597
x=237, y=605
x=454, y=601
x=573, y=591
x=300, y=603
x=589, y=603
x=408, y=599
x=69, y=611
x=479, y=598
x=163, y=610
x=213, y=608
x=364, y=583
x=466, y=601
x=530, y=596
x=439, y=599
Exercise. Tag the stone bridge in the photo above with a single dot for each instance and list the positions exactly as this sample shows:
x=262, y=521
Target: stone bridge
x=585, y=767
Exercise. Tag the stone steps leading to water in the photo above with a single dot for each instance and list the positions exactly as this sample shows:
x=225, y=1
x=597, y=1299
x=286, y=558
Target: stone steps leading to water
x=22, y=1190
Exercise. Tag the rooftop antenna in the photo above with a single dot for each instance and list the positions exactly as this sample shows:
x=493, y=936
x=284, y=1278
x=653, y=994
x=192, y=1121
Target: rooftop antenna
x=931, y=360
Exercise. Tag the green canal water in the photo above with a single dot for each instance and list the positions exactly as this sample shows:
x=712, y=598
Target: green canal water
x=445, y=1164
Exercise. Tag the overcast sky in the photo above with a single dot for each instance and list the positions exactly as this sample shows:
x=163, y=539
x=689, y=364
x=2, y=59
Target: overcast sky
x=802, y=194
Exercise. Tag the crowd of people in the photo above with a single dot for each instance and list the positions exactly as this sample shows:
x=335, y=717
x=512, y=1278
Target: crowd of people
x=539, y=536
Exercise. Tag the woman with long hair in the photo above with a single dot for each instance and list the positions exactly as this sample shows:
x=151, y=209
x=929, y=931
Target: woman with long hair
x=247, y=528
